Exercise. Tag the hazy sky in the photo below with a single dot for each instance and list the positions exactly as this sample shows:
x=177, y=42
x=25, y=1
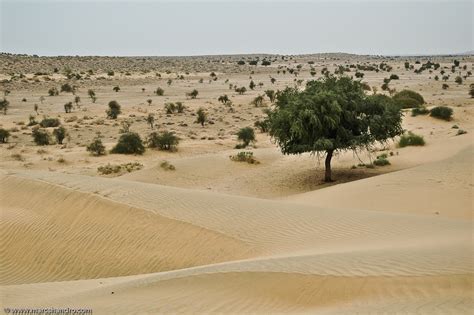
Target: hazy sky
x=230, y=27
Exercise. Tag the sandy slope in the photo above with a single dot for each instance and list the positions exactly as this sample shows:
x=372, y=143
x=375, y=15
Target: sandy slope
x=248, y=254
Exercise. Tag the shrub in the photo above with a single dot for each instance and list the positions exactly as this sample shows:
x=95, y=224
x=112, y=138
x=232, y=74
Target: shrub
x=224, y=99
x=119, y=168
x=201, y=116
x=441, y=112
x=68, y=107
x=252, y=85
x=408, y=99
x=50, y=122
x=271, y=95
x=114, y=110
x=60, y=133
x=170, y=108
x=394, y=77
x=244, y=157
x=165, y=140
x=41, y=136
x=53, y=91
x=471, y=90
x=445, y=86
x=159, y=91
x=458, y=80
x=241, y=90
x=193, y=94
x=96, y=147
x=180, y=107
x=4, y=104
x=420, y=111
x=381, y=160
x=110, y=73
x=461, y=132
x=411, y=139
x=4, y=135
x=246, y=135
x=261, y=125
x=129, y=143
x=167, y=166
x=66, y=87
x=116, y=88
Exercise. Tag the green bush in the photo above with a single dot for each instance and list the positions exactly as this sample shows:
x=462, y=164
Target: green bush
x=244, y=157
x=4, y=135
x=408, y=99
x=246, y=135
x=441, y=112
x=193, y=94
x=60, y=133
x=411, y=139
x=165, y=140
x=53, y=91
x=4, y=104
x=96, y=147
x=381, y=160
x=201, y=116
x=129, y=143
x=68, y=107
x=66, y=87
x=41, y=136
x=50, y=122
x=420, y=111
x=261, y=125
x=159, y=91
x=114, y=110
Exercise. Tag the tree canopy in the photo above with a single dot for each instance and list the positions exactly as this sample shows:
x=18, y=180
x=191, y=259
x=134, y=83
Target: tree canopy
x=332, y=114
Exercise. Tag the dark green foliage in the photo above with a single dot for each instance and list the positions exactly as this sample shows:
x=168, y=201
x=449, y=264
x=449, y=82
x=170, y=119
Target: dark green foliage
x=246, y=135
x=201, y=116
x=193, y=94
x=41, y=136
x=394, y=77
x=241, y=90
x=381, y=160
x=66, y=87
x=163, y=141
x=408, y=99
x=116, y=88
x=129, y=143
x=240, y=62
x=96, y=147
x=68, y=107
x=4, y=104
x=252, y=85
x=411, y=139
x=258, y=101
x=441, y=112
x=159, y=91
x=458, y=80
x=53, y=91
x=420, y=111
x=4, y=135
x=224, y=99
x=114, y=110
x=271, y=95
x=261, y=125
x=445, y=86
x=244, y=157
x=332, y=114
x=266, y=63
x=60, y=133
x=110, y=73
x=50, y=122
x=91, y=94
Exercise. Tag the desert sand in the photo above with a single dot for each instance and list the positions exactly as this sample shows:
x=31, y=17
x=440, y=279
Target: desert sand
x=218, y=236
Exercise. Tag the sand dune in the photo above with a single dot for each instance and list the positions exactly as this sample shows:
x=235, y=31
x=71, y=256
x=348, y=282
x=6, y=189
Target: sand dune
x=166, y=249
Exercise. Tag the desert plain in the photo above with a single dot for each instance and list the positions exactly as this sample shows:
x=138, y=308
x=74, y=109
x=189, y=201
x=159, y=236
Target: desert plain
x=192, y=231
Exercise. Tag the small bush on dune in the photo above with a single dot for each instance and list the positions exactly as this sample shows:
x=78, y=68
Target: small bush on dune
x=246, y=135
x=159, y=91
x=165, y=140
x=441, y=112
x=129, y=143
x=114, y=110
x=244, y=157
x=381, y=160
x=411, y=139
x=408, y=99
x=167, y=166
x=119, y=168
x=96, y=147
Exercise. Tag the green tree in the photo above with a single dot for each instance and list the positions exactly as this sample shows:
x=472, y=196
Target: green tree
x=60, y=133
x=68, y=107
x=163, y=141
x=129, y=143
x=4, y=104
x=271, y=95
x=201, y=116
x=252, y=85
x=246, y=135
x=4, y=135
x=332, y=114
x=92, y=95
x=193, y=94
x=114, y=110
x=96, y=147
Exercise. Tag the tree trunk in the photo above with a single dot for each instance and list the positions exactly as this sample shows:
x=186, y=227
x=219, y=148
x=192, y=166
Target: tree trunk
x=327, y=164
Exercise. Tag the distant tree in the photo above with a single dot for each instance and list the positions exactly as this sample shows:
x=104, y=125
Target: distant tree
x=458, y=80
x=201, y=116
x=252, y=85
x=114, y=110
x=224, y=99
x=35, y=108
x=163, y=141
x=445, y=86
x=66, y=87
x=149, y=101
x=159, y=91
x=246, y=136
x=96, y=147
x=193, y=94
x=68, y=107
x=116, y=88
x=4, y=135
x=77, y=100
x=332, y=114
x=41, y=136
x=471, y=90
x=271, y=95
x=241, y=90
x=53, y=91
x=41, y=99
x=91, y=94
x=257, y=101
x=273, y=80
x=129, y=143
x=4, y=105
x=60, y=133
x=150, y=120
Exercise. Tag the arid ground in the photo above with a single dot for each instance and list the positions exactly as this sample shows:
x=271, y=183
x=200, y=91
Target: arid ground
x=210, y=234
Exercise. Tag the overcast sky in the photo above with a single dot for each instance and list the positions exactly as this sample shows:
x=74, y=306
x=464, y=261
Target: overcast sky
x=190, y=27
